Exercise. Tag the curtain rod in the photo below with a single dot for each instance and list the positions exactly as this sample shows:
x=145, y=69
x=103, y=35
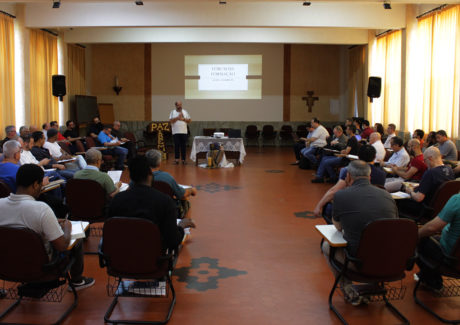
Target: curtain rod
x=432, y=10
x=48, y=31
x=9, y=15
x=387, y=31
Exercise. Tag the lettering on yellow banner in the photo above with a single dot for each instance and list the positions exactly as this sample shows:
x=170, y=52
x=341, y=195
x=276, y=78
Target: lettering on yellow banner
x=160, y=127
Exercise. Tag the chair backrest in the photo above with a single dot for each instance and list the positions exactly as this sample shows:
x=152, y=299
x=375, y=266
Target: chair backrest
x=130, y=136
x=286, y=129
x=302, y=130
x=234, y=133
x=225, y=130
x=4, y=189
x=443, y=194
x=90, y=142
x=86, y=199
x=65, y=147
x=22, y=255
x=268, y=129
x=251, y=130
x=386, y=247
x=131, y=247
x=163, y=187
x=208, y=132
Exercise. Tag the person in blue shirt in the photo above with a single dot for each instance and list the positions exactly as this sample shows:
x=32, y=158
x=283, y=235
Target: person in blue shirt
x=114, y=149
x=10, y=164
x=181, y=194
x=432, y=245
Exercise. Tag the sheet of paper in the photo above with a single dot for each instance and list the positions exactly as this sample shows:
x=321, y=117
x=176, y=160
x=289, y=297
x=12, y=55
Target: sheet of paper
x=124, y=187
x=400, y=195
x=67, y=160
x=115, y=175
x=77, y=230
x=353, y=157
x=185, y=186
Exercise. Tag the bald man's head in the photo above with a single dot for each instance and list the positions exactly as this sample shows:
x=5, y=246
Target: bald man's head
x=374, y=137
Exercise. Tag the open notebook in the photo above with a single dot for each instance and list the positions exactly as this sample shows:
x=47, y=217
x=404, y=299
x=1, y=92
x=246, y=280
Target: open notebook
x=115, y=175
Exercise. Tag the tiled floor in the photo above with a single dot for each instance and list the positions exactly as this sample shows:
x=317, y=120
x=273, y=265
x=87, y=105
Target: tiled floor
x=254, y=257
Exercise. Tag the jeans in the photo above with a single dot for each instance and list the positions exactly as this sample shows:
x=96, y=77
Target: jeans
x=67, y=174
x=310, y=154
x=180, y=145
x=328, y=164
x=121, y=154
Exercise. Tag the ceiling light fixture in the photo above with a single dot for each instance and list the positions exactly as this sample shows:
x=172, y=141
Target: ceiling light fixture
x=306, y=3
x=56, y=4
x=139, y=3
x=386, y=5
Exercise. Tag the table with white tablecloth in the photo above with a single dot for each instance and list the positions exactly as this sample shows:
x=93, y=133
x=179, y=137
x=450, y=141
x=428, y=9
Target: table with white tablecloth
x=233, y=148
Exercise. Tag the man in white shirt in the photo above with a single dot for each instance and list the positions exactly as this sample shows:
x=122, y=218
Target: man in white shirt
x=391, y=130
x=45, y=127
x=58, y=153
x=317, y=140
x=400, y=157
x=179, y=118
x=22, y=210
x=375, y=139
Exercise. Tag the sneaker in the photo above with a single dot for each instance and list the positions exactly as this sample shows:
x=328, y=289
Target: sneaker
x=84, y=283
x=295, y=163
x=176, y=162
x=317, y=180
x=184, y=162
x=435, y=286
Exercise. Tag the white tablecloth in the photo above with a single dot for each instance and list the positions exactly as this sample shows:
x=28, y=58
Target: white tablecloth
x=201, y=144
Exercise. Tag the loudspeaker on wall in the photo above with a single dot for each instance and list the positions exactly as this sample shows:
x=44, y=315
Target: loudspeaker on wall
x=59, y=86
x=374, y=87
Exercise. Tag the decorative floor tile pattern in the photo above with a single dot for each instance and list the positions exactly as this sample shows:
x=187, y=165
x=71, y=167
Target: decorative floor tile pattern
x=215, y=187
x=204, y=274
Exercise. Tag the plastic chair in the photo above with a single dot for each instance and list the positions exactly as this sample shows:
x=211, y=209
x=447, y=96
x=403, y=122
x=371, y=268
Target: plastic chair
x=449, y=268
x=109, y=160
x=252, y=134
x=25, y=261
x=439, y=199
x=141, y=148
x=164, y=188
x=131, y=248
x=268, y=133
x=286, y=133
x=386, y=249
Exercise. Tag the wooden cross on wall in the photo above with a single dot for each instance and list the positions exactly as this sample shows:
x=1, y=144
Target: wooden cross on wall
x=310, y=100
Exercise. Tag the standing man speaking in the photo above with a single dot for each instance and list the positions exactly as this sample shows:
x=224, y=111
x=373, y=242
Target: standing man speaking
x=179, y=118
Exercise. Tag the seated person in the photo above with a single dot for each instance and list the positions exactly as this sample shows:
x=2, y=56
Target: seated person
x=22, y=210
x=107, y=140
x=71, y=135
x=23, y=131
x=436, y=174
x=391, y=132
x=446, y=147
x=400, y=157
x=95, y=128
x=430, y=140
x=317, y=140
x=10, y=164
x=414, y=171
x=117, y=134
x=55, y=125
x=45, y=128
x=300, y=144
x=375, y=139
x=41, y=153
x=432, y=245
x=367, y=130
x=141, y=200
x=91, y=171
x=355, y=207
x=329, y=163
x=419, y=135
x=59, y=154
x=11, y=134
x=182, y=194
x=366, y=153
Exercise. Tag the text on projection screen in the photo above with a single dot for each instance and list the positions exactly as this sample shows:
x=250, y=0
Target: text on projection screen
x=223, y=77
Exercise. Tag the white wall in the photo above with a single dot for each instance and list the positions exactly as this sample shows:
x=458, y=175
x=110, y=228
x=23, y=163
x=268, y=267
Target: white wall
x=168, y=83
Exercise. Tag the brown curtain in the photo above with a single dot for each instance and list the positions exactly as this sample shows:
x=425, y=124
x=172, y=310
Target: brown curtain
x=7, y=111
x=356, y=98
x=43, y=64
x=76, y=81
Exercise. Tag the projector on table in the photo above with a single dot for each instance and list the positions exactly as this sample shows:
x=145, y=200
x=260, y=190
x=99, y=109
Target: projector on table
x=218, y=135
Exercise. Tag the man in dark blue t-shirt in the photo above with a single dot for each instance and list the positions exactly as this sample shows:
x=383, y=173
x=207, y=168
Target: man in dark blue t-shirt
x=436, y=174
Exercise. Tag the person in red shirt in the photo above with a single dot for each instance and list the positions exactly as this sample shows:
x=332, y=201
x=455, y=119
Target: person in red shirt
x=60, y=137
x=419, y=134
x=367, y=130
x=413, y=171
